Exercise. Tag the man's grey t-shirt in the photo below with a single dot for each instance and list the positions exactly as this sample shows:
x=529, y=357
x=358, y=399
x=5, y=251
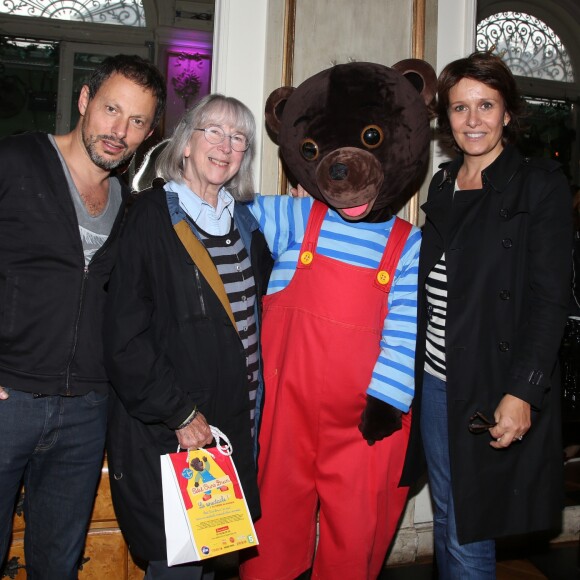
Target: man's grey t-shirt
x=94, y=231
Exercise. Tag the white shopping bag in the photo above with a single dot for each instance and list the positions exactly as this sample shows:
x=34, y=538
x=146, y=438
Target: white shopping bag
x=205, y=511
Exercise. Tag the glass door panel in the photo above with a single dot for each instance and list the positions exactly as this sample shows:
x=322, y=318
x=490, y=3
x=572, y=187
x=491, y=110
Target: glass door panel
x=77, y=62
x=40, y=82
x=29, y=73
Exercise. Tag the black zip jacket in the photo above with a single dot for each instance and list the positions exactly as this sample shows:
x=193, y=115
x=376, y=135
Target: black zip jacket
x=50, y=304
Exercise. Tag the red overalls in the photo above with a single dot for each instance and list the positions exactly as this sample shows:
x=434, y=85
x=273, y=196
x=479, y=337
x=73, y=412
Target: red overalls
x=320, y=339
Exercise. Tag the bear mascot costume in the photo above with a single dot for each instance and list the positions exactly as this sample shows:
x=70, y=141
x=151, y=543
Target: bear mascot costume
x=339, y=319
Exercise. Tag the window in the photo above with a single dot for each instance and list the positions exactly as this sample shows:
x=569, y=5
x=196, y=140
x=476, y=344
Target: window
x=29, y=72
x=528, y=46
x=549, y=131
x=123, y=12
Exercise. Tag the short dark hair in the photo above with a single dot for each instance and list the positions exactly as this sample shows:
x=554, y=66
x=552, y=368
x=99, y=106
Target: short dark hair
x=490, y=70
x=136, y=69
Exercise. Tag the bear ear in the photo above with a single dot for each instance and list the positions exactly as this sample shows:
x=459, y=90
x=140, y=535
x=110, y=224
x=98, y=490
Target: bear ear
x=421, y=75
x=275, y=108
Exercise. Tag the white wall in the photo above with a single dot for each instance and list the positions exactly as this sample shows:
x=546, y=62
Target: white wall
x=240, y=56
x=455, y=39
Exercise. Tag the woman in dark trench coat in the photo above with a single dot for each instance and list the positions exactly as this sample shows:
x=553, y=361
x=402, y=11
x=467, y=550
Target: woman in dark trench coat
x=494, y=274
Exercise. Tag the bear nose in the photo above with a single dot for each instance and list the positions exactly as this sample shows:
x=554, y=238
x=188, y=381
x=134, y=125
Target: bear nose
x=338, y=171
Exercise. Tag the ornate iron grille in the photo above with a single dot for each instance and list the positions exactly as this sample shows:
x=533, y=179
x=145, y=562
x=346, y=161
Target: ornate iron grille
x=124, y=12
x=528, y=46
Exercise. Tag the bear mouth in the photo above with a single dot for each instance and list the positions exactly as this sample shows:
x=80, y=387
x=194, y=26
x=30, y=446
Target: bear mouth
x=355, y=212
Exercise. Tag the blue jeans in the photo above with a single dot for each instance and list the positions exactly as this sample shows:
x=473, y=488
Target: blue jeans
x=473, y=561
x=55, y=446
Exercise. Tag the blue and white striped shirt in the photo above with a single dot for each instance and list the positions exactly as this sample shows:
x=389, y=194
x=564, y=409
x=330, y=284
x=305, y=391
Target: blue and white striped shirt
x=283, y=221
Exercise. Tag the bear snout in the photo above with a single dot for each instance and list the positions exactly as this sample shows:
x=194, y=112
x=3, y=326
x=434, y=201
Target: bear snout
x=349, y=177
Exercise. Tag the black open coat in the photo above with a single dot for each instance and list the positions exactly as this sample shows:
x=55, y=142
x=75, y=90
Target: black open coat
x=169, y=345
x=51, y=303
x=507, y=249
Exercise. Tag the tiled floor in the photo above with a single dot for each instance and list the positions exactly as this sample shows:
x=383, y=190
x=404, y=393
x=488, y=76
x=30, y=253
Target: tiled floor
x=556, y=563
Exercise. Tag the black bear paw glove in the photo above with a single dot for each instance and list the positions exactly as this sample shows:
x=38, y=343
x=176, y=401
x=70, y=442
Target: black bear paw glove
x=379, y=420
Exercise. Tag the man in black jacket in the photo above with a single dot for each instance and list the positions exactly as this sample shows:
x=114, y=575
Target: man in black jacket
x=60, y=213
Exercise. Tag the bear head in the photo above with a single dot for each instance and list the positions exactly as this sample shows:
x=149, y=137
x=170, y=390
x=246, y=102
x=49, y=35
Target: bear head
x=356, y=136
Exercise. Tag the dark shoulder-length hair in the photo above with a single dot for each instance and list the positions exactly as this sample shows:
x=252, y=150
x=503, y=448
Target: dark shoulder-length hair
x=214, y=109
x=491, y=71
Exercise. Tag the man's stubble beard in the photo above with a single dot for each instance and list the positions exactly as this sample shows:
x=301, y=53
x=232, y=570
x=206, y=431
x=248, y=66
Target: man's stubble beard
x=90, y=142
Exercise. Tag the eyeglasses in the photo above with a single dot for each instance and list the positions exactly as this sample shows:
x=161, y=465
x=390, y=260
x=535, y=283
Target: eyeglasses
x=216, y=135
x=479, y=423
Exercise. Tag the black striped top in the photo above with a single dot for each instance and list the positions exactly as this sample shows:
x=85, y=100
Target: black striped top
x=436, y=294
x=233, y=265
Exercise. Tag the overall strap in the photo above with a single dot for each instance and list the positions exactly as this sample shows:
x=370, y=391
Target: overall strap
x=392, y=254
x=313, y=226
x=205, y=265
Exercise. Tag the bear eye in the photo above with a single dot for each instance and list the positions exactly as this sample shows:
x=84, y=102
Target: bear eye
x=372, y=136
x=309, y=149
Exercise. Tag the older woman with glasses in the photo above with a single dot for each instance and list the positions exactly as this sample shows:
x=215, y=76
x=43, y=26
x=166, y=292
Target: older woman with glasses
x=181, y=330
x=494, y=276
